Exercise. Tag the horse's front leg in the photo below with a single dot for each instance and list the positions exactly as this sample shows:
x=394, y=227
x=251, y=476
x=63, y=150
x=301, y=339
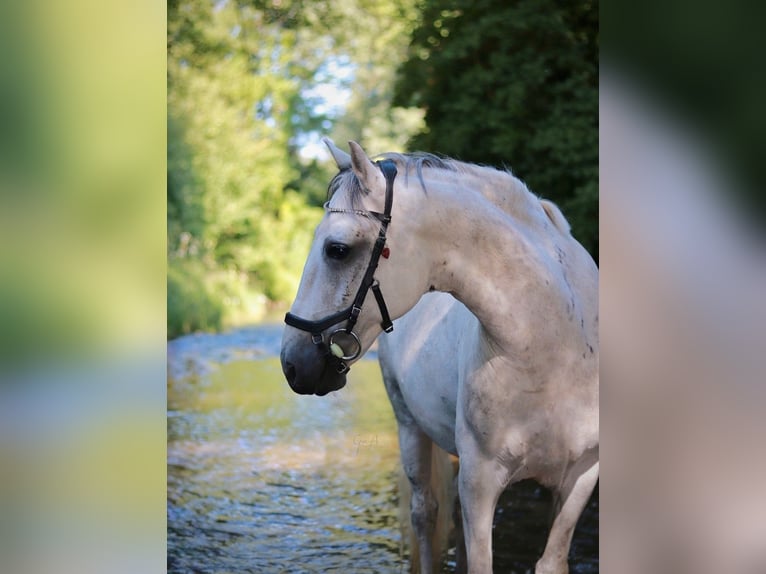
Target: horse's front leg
x=570, y=498
x=415, y=449
x=481, y=480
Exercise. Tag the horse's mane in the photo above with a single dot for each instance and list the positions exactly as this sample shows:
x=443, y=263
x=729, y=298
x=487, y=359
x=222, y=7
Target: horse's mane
x=489, y=181
x=413, y=161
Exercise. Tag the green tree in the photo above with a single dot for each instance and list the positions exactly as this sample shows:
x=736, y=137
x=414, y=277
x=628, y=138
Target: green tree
x=234, y=99
x=374, y=43
x=247, y=89
x=513, y=84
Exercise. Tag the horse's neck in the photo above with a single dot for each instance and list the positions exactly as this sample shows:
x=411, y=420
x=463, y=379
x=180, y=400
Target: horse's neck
x=497, y=259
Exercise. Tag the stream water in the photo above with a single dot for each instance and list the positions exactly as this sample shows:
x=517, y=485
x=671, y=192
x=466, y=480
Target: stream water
x=263, y=480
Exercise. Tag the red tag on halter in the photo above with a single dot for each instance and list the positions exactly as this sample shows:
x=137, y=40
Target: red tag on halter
x=385, y=253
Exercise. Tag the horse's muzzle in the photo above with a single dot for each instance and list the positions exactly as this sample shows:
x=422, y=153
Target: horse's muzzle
x=311, y=373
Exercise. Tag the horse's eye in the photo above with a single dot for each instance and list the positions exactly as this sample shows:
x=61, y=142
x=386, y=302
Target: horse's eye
x=337, y=251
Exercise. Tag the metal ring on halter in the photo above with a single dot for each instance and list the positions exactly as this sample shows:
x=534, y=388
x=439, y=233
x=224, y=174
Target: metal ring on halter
x=346, y=356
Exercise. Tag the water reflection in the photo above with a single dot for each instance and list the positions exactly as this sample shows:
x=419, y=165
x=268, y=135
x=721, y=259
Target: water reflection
x=263, y=480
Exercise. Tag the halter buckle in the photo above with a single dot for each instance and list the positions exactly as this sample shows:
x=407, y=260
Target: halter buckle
x=317, y=338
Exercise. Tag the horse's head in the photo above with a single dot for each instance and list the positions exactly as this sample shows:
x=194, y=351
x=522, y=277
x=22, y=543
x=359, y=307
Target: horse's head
x=360, y=269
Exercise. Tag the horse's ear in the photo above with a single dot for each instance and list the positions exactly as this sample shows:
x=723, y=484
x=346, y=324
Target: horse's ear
x=342, y=159
x=370, y=176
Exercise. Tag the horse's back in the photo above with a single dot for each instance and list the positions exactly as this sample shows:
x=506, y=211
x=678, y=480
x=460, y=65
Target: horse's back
x=421, y=359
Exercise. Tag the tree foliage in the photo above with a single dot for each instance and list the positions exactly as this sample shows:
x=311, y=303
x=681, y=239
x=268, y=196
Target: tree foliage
x=234, y=99
x=242, y=101
x=375, y=43
x=513, y=84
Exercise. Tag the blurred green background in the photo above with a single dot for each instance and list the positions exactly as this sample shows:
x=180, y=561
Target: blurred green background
x=252, y=87
x=82, y=154
x=82, y=286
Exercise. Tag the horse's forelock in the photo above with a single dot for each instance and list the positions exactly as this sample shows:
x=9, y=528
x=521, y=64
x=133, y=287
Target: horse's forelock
x=351, y=185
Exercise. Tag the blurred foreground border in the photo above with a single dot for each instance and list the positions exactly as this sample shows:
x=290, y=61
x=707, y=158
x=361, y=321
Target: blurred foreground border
x=683, y=315
x=82, y=286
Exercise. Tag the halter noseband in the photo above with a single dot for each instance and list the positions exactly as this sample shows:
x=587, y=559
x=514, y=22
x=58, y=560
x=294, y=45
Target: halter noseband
x=335, y=352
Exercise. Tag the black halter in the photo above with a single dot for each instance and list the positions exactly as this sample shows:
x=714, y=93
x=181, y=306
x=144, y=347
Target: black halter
x=334, y=350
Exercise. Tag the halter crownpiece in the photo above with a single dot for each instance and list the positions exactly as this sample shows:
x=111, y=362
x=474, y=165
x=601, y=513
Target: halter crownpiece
x=340, y=339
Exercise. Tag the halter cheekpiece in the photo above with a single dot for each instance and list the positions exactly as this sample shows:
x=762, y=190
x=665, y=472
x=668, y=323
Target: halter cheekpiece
x=335, y=351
